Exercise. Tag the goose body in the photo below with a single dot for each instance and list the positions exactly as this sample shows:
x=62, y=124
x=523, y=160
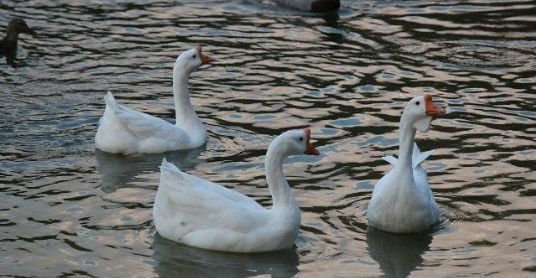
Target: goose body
x=126, y=131
x=402, y=201
x=200, y=213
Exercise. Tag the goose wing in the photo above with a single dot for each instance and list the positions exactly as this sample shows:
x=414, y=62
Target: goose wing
x=140, y=124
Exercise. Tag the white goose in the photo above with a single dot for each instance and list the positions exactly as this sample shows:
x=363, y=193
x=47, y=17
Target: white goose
x=402, y=201
x=199, y=213
x=124, y=130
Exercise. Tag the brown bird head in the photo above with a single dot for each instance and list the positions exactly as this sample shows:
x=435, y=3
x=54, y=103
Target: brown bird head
x=17, y=26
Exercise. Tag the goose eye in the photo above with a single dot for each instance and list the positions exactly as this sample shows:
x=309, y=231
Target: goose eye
x=301, y=139
x=417, y=103
x=193, y=56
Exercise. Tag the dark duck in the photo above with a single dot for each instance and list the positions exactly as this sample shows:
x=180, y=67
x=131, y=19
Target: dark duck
x=8, y=45
x=315, y=6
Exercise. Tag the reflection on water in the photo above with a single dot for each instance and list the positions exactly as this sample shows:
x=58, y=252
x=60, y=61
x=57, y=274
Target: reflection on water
x=118, y=170
x=66, y=209
x=397, y=254
x=172, y=259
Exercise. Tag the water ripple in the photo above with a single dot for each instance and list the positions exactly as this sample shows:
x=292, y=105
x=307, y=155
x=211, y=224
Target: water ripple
x=347, y=76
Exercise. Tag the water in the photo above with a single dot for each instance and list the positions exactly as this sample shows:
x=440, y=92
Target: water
x=67, y=209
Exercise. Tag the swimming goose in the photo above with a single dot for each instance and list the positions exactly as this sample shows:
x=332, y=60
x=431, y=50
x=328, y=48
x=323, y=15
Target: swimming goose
x=315, y=6
x=402, y=201
x=199, y=213
x=8, y=45
x=126, y=131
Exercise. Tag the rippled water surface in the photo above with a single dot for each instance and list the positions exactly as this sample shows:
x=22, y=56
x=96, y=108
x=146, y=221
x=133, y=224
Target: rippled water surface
x=66, y=209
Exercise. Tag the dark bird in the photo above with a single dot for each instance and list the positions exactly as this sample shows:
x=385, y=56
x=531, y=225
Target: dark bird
x=8, y=45
x=315, y=6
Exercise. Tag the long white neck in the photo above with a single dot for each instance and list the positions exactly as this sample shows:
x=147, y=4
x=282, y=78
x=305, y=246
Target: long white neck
x=181, y=95
x=185, y=115
x=405, y=145
x=277, y=183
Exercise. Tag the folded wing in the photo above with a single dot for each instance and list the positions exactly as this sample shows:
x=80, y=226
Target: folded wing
x=201, y=204
x=140, y=124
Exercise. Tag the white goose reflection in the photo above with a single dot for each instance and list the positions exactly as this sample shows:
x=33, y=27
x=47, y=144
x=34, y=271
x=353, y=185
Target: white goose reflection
x=119, y=170
x=397, y=254
x=172, y=258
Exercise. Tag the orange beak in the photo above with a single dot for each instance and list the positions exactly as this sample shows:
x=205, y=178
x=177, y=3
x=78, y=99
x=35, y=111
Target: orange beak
x=310, y=149
x=204, y=58
x=431, y=108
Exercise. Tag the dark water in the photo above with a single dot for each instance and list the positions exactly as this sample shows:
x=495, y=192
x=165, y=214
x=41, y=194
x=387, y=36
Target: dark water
x=66, y=209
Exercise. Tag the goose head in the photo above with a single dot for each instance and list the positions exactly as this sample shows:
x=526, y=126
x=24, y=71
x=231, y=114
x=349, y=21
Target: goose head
x=295, y=142
x=190, y=60
x=420, y=111
x=17, y=26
